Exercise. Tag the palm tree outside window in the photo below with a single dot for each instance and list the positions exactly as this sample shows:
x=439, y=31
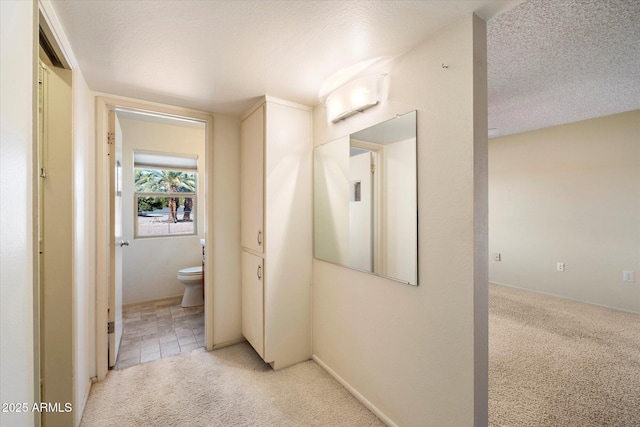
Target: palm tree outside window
x=165, y=201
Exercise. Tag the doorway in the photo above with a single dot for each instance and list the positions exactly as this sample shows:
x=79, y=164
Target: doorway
x=136, y=247
x=161, y=189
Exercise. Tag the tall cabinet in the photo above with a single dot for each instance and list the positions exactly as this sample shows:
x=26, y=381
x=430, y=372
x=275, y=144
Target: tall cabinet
x=276, y=230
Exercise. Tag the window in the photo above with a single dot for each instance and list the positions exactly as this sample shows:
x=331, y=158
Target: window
x=165, y=196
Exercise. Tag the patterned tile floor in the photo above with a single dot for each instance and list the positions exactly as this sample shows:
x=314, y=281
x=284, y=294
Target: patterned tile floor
x=159, y=329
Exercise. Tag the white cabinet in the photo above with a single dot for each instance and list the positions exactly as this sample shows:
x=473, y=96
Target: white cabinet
x=251, y=181
x=252, y=301
x=276, y=228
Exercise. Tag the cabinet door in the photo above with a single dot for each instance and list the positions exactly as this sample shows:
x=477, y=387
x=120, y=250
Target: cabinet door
x=251, y=181
x=253, y=301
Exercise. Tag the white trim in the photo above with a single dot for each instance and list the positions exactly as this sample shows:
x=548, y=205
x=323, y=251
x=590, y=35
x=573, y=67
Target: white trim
x=103, y=103
x=370, y=406
x=53, y=27
x=229, y=343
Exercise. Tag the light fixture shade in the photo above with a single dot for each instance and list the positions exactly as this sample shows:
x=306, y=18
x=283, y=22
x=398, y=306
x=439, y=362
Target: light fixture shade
x=352, y=98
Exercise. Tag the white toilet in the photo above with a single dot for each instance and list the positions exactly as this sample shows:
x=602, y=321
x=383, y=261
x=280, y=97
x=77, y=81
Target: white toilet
x=192, y=279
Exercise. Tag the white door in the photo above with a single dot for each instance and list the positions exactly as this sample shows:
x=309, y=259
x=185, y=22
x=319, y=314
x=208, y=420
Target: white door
x=115, y=237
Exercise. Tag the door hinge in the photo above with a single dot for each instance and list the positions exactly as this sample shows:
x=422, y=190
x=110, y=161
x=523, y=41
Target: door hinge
x=373, y=168
x=43, y=172
x=111, y=138
x=111, y=327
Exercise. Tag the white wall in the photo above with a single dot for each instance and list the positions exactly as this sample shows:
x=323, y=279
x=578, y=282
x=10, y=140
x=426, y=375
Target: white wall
x=17, y=59
x=150, y=265
x=419, y=354
x=569, y=194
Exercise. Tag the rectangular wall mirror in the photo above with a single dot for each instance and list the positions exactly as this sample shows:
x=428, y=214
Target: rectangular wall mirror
x=365, y=200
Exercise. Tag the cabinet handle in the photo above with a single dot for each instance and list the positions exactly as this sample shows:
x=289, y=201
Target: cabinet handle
x=259, y=272
x=259, y=237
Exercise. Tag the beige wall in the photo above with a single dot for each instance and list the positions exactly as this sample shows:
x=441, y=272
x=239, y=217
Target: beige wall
x=17, y=59
x=418, y=355
x=150, y=265
x=569, y=194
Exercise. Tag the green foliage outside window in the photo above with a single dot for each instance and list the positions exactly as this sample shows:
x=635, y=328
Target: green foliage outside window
x=160, y=190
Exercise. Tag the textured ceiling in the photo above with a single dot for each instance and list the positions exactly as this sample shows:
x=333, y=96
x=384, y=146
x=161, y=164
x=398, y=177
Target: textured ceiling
x=559, y=61
x=550, y=61
x=218, y=56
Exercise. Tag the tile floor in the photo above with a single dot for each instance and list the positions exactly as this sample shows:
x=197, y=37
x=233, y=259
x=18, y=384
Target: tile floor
x=159, y=329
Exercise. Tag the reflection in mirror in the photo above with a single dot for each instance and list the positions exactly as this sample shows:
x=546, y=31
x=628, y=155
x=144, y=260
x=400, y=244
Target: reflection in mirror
x=365, y=200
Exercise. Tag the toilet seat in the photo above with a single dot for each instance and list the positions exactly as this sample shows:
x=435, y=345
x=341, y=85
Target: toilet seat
x=191, y=271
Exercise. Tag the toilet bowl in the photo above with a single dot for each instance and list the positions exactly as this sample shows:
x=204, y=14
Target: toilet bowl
x=192, y=279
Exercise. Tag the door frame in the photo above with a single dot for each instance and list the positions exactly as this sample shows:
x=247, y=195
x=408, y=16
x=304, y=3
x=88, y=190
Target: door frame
x=104, y=103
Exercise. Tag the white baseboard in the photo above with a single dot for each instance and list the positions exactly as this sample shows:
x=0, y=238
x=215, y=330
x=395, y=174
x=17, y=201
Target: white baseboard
x=378, y=413
x=226, y=344
x=563, y=297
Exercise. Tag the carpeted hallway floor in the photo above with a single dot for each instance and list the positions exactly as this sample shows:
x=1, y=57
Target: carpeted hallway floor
x=227, y=387
x=554, y=362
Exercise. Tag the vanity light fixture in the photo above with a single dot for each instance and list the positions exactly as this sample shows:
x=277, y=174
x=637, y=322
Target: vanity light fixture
x=353, y=97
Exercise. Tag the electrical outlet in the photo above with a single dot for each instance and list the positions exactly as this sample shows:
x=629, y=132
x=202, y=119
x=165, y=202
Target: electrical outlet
x=560, y=266
x=629, y=276
x=497, y=256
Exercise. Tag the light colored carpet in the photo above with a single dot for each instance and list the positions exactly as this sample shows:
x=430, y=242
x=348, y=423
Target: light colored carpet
x=227, y=387
x=554, y=362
